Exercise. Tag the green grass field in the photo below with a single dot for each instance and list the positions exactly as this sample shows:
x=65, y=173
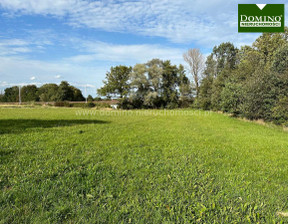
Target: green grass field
x=57, y=166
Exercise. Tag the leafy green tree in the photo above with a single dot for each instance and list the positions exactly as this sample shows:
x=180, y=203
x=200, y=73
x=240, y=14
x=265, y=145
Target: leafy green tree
x=260, y=94
x=218, y=86
x=250, y=82
x=268, y=44
x=206, y=84
x=139, y=85
x=169, y=85
x=49, y=93
x=29, y=93
x=2, y=98
x=280, y=111
x=77, y=94
x=218, y=67
x=46, y=93
x=65, y=91
x=185, y=88
x=89, y=98
x=11, y=94
x=280, y=62
x=116, y=82
x=231, y=97
x=155, y=75
x=249, y=60
x=210, y=67
x=225, y=56
x=205, y=93
x=153, y=98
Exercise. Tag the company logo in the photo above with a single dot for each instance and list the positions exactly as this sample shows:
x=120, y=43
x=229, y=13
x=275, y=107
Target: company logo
x=261, y=18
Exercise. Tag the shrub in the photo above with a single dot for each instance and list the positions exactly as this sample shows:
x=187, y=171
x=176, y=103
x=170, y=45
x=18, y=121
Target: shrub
x=90, y=104
x=172, y=105
x=125, y=104
x=83, y=105
x=62, y=104
x=205, y=94
x=231, y=97
x=259, y=95
x=280, y=111
x=185, y=102
x=97, y=99
x=280, y=63
x=90, y=98
x=102, y=105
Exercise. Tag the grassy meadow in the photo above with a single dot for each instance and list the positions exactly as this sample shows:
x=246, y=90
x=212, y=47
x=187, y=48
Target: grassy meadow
x=57, y=166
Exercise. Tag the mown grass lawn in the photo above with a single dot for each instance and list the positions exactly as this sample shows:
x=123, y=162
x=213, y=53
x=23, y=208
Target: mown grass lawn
x=56, y=166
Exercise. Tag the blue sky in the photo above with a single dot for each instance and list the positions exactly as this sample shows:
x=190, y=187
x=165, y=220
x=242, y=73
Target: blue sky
x=43, y=41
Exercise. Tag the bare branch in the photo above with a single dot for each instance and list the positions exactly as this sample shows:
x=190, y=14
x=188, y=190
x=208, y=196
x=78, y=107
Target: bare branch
x=194, y=58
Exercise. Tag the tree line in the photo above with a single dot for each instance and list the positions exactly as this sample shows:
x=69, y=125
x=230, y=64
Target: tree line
x=45, y=93
x=250, y=81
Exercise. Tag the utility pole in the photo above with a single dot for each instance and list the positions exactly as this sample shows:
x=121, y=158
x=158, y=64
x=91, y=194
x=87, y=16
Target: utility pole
x=19, y=95
x=86, y=93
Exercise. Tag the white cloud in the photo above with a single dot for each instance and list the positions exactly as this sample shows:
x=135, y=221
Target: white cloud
x=140, y=53
x=13, y=47
x=93, y=60
x=13, y=42
x=16, y=69
x=21, y=46
x=83, y=85
x=207, y=23
x=92, y=66
x=53, y=7
x=3, y=83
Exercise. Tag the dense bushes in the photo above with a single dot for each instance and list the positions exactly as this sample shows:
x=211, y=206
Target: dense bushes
x=62, y=104
x=46, y=93
x=280, y=111
x=253, y=83
x=80, y=105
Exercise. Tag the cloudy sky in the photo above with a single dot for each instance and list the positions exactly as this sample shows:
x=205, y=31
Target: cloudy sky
x=79, y=40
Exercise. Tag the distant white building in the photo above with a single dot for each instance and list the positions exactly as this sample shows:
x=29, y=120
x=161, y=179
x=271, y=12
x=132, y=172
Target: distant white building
x=114, y=106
